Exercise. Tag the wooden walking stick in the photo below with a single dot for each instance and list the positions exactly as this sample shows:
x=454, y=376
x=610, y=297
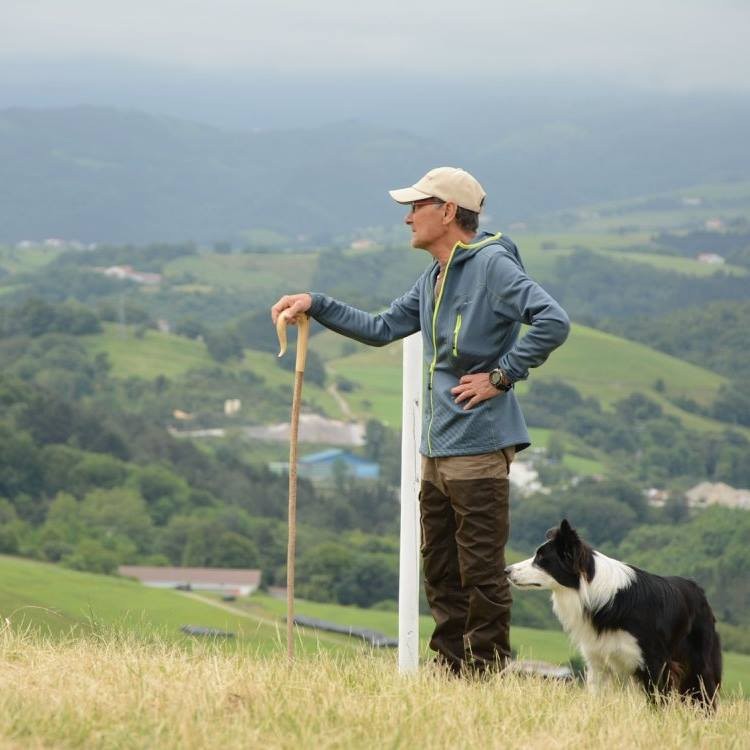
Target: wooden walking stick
x=299, y=372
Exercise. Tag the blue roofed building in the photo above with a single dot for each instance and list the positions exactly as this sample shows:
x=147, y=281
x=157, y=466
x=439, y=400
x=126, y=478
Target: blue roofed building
x=322, y=466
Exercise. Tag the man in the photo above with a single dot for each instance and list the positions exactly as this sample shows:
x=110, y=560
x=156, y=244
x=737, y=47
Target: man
x=469, y=305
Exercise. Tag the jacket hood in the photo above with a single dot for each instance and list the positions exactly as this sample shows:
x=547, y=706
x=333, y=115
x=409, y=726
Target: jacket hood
x=464, y=251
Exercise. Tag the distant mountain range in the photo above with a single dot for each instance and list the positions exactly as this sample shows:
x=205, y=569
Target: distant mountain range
x=108, y=175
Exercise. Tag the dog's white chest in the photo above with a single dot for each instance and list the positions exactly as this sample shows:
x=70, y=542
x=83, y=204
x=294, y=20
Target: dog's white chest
x=616, y=651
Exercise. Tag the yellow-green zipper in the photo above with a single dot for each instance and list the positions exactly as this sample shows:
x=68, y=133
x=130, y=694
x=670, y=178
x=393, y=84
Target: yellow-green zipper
x=435, y=346
x=456, y=330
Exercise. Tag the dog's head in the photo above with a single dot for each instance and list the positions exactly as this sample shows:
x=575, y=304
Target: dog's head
x=560, y=562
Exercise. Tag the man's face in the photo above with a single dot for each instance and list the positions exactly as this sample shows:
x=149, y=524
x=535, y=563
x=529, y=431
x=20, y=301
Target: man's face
x=425, y=218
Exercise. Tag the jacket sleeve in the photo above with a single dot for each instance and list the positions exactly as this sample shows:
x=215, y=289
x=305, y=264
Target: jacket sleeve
x=400, y=320
x=518, y=298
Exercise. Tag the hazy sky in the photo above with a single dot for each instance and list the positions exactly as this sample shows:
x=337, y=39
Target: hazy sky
x=676, y=44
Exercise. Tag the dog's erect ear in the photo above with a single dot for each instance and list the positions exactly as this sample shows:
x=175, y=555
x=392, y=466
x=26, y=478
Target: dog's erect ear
x=568, y=538
x=551, y=533
x=567, y=532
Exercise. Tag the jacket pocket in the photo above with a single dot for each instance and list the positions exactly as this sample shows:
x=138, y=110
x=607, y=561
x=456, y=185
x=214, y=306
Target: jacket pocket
x=456, y=331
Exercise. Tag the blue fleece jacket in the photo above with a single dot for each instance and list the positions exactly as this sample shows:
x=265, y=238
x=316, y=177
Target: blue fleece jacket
x=471, y=327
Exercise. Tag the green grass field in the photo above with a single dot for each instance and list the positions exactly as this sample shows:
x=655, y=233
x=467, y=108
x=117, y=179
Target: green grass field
x=157, y=353
x=608, y=367
x=685, y=266
x=56, y=601
x=149, y=356
x=580, y=458
x=20, y=260
x=251, y=272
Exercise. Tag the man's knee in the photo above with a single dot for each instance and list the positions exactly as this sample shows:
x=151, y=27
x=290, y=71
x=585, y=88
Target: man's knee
x=439, y=563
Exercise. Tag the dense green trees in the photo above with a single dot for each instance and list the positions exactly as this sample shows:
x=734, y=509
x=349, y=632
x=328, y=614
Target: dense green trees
x=649, y=445
x=584, y=284
x=34, y=317
x=710, y=547
x=349, y=573
x=713, y=335
x=223, y=345
x=604, y=511
x=734, y=245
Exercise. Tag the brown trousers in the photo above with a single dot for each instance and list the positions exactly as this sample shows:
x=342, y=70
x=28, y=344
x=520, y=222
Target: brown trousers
x=465, y=525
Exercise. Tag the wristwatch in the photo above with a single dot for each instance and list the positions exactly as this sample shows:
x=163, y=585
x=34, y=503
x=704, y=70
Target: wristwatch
x=499, y=378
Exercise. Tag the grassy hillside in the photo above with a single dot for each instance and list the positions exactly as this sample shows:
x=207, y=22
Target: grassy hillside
x=18, y=260
x=56, y=601
x=155, y=353
x=248, y=273
x=150, y=355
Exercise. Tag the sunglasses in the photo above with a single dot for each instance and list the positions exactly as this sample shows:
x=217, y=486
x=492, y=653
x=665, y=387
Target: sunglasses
x=414, y=205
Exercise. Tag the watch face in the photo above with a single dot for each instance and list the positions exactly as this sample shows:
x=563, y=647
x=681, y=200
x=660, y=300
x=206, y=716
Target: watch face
x=496, y=378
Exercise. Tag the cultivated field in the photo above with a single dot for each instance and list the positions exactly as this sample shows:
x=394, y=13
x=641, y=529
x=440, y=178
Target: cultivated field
x=111, y=690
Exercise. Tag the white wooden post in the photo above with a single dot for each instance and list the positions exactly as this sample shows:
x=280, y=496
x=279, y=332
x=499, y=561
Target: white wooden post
x=408, y=582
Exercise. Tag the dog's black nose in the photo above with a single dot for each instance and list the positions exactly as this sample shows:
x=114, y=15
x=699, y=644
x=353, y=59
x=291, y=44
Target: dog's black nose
x=507, y=571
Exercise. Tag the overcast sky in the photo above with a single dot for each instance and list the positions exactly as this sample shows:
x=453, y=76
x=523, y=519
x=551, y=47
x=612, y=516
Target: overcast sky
x=675, y=44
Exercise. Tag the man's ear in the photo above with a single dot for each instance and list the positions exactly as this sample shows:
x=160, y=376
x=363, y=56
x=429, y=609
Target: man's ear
x=449, y=212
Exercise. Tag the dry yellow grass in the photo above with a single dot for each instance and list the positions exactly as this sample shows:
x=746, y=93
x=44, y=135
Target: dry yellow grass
x=115, y=691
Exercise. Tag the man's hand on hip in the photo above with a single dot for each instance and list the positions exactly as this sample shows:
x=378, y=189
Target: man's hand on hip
x=291, y=305
x=473, y=389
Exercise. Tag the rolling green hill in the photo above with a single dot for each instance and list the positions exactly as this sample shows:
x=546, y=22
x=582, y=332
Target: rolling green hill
x=149, y=355
x=56, y=601
x=154, y=353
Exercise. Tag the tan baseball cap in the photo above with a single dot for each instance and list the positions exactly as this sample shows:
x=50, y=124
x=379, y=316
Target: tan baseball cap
x=450, y=184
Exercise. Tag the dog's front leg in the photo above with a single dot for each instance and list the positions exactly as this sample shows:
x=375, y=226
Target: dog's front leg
x=597, y=677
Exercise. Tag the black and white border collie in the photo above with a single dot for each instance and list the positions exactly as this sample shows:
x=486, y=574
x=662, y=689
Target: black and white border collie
x=627, y=623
